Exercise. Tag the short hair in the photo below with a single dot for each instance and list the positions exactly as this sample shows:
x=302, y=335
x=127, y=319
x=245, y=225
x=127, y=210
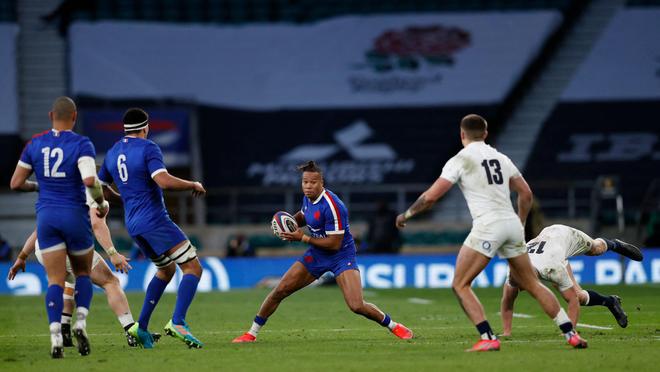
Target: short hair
x=63, y=108
x=310, y=166
x=474, y=126
x=135, y=119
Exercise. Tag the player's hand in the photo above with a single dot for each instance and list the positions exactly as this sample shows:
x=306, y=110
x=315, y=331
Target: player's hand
x=18, y=265
x=401, y=221
x=120, y=262
x=295, y=236
x=102, y=209
x=198, y=189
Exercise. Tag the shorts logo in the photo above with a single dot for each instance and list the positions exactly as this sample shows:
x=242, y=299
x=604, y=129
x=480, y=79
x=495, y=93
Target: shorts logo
x=309, y=259
x=349, y=264
x=486, y=245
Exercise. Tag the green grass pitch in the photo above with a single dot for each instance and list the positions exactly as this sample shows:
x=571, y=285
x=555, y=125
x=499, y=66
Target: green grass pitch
x=314, y=331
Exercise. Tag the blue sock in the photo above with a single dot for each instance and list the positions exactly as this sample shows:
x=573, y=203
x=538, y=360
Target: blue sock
x=83, y=295
x=386, y=321
x=184, y=297
x=259, y=320
x=154, y=292
x=54, y=303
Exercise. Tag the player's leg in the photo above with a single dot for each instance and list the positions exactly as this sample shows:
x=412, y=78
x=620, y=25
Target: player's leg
x=509, y=294
x=81, y=264
x=54, y=259
x=523, y=274
x=67, y=310
x=297, y=277
x=103, y=277
x=469, y=264
x=351, y=287
x=592, y=298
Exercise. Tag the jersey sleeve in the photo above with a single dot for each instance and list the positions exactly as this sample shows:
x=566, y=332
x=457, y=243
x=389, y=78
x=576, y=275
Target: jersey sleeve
x=86, y=149
x=512, y=168
x=453, y=169
x=26, y=161
x=154, y=159
x=335, y=217
x=105, y=177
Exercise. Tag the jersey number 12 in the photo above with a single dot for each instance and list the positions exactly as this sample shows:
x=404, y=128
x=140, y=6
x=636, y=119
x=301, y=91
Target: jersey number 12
x=496, y=175
x=56, y=153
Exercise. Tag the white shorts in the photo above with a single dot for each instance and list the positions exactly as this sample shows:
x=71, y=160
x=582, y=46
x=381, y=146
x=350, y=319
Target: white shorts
x=504, y=237
x=70, y=279
x=555, y=273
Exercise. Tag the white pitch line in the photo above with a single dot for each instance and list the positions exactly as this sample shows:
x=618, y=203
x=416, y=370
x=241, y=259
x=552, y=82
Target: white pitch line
x=420, y=301
x=520, y=315
x=593, y=326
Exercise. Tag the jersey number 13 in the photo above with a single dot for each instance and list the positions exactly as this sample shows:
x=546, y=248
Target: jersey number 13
x=493, y=171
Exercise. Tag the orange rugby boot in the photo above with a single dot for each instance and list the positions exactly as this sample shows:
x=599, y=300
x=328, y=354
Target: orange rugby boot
x=246, y=337
x=486, y=345
x=402, y=332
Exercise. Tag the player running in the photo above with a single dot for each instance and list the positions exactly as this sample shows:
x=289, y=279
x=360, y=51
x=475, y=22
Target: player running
x=100, y=276
x=63, y=163
x=331, y=248
x=549, y=253
x=486, y=177
x=135, y=165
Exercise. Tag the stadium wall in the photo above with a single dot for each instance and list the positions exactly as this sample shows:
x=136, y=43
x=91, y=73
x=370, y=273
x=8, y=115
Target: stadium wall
x=418, y=271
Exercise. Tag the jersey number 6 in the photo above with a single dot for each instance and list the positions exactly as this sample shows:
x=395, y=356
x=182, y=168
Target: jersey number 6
x=121, y=168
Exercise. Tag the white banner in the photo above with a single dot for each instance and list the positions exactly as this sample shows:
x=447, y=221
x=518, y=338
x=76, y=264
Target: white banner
x=8, y=88
x=625, y=63
x=354, y=61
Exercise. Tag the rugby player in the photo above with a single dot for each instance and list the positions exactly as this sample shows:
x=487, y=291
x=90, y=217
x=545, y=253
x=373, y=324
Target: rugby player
x=486, y=178
x=549, y=253
x=331, y=248
x=63, y=163
x=135, y=165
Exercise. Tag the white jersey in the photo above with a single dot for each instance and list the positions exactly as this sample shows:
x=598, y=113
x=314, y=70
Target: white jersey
x=483, y=175
x=557, y=243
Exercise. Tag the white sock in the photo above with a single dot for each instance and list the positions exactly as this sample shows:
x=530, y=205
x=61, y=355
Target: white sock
x=392, y=324
x=81, y=318
x=66, y=319
x=55, y=327
x=56, y=334
x=126, y=319
x=254, y=330
x=562, y=319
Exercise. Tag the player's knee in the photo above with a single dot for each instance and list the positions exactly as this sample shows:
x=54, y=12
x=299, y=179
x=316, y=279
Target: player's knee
x=166, y=273
x=356, y=306
x=111, y=281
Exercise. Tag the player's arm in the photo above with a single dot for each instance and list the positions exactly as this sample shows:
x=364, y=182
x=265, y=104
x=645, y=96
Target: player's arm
x=300, y=218
x=166, y=181
x=26, y=251
x=332, y=242
x=425, y=201
x=87, y=168
x=102, y=234
x=509, y=295
x=110, y=194
x=525, y=196
x=19, y=180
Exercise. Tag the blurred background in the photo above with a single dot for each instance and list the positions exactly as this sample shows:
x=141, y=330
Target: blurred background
x=240, y=91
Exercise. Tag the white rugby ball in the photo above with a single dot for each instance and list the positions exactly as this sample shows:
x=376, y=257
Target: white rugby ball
x=283, y=222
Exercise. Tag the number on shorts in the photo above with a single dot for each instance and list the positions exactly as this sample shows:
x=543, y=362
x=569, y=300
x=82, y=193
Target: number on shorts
x=496, y=176
x=56, y=153
x=121, y=167
x=532, y=248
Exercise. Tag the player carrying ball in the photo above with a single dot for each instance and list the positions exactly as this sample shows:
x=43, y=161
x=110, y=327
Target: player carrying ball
x=331, y=248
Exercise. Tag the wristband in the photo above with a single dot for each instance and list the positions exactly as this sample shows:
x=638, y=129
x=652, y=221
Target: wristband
x=111, y=251
x=305, y=239
x=408, y=214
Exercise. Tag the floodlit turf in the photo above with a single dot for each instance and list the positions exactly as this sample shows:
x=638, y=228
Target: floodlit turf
x=314, y=331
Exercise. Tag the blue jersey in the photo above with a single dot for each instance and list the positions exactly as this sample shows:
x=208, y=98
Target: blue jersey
x=132, y=163
x=327, y=215
x=53, y=156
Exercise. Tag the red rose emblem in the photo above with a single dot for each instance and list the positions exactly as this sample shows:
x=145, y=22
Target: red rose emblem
x=425, y=41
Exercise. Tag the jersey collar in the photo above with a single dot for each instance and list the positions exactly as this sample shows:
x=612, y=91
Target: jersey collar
x=319, y=198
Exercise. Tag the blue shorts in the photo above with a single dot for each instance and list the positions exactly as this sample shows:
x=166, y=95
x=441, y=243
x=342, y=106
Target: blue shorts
x=64, y=228
x=157, y=241
x=318, y=264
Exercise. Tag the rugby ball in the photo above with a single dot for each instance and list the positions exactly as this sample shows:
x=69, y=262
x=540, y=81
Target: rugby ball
x=283, y=222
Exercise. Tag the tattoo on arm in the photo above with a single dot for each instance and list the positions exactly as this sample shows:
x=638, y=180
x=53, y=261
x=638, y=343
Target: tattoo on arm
x=420, y=205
